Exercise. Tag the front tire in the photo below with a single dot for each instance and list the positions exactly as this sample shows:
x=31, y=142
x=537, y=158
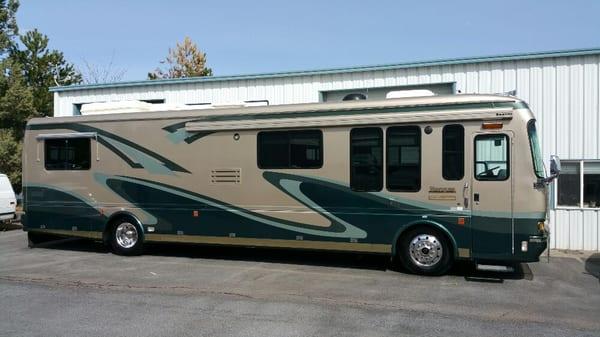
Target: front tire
x=126, y=237
x=425, y=251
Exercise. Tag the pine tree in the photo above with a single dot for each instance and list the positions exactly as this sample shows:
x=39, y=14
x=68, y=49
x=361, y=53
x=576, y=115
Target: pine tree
x=8, y=25
x=10, y=154
x=16, y=99
x=43, y=68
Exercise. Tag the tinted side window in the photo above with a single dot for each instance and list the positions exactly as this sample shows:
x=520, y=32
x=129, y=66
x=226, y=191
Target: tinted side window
x=404, y=158
x=491, y=157
x=67, y=154
x=366, y=159
x=453, y=152
x=290, y=149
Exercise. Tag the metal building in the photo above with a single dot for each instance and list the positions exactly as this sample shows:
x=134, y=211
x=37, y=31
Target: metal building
x=561, y=87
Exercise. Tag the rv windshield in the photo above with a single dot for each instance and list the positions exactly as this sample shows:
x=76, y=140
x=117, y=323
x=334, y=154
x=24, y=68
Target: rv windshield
x=536, y=153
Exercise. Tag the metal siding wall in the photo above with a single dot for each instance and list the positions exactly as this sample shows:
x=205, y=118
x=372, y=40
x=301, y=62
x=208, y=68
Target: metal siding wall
x=562, y=92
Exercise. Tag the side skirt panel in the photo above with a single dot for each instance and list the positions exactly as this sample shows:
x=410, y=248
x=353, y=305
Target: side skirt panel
x=302, y=244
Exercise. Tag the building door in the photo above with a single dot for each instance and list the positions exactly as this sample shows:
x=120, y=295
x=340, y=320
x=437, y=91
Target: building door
x=491, y=195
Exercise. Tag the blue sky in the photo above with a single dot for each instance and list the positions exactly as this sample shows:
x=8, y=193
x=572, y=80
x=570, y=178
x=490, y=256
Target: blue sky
x=244, y=37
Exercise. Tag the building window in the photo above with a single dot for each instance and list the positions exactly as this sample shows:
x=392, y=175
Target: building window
x=453, y=152
x=290, y=149
x=403, y=169
x=491, y=157
x=366, y=159
x=67, y=154
x=579, y=184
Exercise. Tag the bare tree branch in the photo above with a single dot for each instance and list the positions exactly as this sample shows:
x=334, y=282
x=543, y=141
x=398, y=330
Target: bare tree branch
x=95, y=74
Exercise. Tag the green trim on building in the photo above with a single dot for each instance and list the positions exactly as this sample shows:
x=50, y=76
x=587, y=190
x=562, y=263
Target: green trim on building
x=431, y=63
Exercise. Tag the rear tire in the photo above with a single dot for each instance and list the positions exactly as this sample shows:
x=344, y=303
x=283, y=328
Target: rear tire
x=426, y=251
x=126, y=237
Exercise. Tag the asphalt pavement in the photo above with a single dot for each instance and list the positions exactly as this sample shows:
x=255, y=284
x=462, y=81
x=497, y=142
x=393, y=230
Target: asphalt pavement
x=75, y=287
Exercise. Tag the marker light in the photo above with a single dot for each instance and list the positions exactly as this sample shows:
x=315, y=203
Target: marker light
x=491, y=126
x=541, y=226
x=523, y=246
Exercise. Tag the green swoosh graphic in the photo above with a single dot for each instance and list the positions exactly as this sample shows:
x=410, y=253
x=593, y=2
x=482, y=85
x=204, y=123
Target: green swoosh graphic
x=293, y=186
x=350, y=232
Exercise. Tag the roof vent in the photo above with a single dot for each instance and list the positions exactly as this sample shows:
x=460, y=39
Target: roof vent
x=354, y=97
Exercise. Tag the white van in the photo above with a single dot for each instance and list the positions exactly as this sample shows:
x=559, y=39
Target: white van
x=8, y=202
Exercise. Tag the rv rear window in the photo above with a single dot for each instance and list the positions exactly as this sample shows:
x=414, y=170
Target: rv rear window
x=67, y=154
x=290, y=149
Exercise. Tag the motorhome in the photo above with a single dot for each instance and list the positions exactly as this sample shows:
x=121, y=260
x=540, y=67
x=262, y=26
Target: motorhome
x=426, y=180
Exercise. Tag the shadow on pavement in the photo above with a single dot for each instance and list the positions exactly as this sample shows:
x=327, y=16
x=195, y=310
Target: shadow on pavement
x=592, y=265
x=288, y=256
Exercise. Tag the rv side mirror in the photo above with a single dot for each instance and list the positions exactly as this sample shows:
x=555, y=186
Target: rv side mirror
x=554, y=168
x=554, y=165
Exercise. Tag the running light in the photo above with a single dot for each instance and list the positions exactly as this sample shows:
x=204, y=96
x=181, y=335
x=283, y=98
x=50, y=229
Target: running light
x=541, y=226
x=491, y=126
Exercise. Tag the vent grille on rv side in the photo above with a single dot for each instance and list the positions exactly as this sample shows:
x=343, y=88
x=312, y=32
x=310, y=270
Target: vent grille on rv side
x=228, y=176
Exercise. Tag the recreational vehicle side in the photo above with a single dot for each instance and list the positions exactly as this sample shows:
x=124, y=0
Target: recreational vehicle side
x=427, y=180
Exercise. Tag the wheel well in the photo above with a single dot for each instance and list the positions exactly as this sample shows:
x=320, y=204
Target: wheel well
x=114, y=219
x=433, y=226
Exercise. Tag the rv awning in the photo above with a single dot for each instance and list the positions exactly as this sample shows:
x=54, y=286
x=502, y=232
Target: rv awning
x=66, y=135
x=257, y=121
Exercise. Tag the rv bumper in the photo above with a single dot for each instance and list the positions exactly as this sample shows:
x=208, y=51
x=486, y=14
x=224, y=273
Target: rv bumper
x=530, y=248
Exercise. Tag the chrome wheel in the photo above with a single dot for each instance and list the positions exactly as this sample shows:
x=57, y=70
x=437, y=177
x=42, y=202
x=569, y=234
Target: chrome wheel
x=425, y=250
x=126, y=235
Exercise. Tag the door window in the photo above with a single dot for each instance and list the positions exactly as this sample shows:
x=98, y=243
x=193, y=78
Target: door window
x=491, y=157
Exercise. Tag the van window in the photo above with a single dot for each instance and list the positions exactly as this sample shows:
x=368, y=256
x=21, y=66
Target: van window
x=453, y=152
x=366, y=159
x=403, y=158
x=290, y=149
x=491, y=157
x=67, y=154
